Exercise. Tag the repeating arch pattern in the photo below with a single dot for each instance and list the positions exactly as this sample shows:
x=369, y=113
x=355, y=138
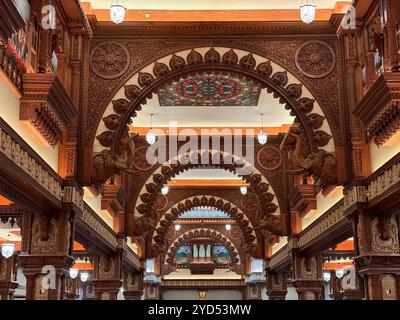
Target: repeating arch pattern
x=147, y=81
x=169, y=170
x=202, y=233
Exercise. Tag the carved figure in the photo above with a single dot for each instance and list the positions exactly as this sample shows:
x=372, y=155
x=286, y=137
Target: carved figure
x=321, y=165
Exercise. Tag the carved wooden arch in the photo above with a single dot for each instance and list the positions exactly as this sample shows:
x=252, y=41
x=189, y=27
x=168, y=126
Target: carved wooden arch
x=167, y=219
x=152, y=187
x=147, y=82
x=217, y=236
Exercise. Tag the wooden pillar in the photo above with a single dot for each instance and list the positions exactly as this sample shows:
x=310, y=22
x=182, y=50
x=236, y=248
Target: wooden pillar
x=7, y=277
x=133, y=284
x=276, y=285
x=46, y=253
x=308, y=276
x=107, y=278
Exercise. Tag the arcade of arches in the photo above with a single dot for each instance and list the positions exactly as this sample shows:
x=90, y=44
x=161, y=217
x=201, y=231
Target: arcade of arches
x=313, y=213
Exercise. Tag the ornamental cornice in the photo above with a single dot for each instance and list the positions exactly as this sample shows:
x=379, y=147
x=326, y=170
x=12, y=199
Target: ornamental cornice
x=92, y=220
x=326, y=222
x=16, y=150
x=279, y=256
x=384, y=182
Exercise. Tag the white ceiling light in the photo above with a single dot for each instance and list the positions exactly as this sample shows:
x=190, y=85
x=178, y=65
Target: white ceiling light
x=339, y=273
x=177, y=227
x=327, y=276
x=73, y=273
x=262, y=137
x=228, y=227
x=243, y=190
x=151, y=137
x=7, y=250
x=307, y=11
x=84, y=276
x=164, y=190
x=117, y=11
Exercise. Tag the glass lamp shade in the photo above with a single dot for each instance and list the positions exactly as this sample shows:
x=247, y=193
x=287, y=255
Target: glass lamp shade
x=164, y=190
x=117, y=12
x=73, y=273
x=84, y=276
x=262, y=138
x=7, y=250
x=339, y=273
x=327, y=276
x=228, y=227
x=307, y=11
x=151, y=138
x=243, y=190
x=177, y=227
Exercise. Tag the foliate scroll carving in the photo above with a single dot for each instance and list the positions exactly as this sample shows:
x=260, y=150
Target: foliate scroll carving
x=383, y=182
x=385, y=236
x=106, y=268
x=139, y=159
x=389, y=287
x=269, y=158
x=250, y=201
x=315, y=59
x=109, y=60
x=308, y=267
x=44, y=235
x=270, y=223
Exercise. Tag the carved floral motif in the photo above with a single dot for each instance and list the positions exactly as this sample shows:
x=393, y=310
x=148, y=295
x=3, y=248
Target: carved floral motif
x=109, y=60
x=315, y=59
x=269, y=158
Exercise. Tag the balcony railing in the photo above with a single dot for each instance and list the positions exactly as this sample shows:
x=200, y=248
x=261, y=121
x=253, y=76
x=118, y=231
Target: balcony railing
x=11, y=67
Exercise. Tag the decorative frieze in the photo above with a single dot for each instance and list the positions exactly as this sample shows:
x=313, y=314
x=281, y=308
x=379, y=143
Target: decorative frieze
x=383, y=182
x=278, y=257
x=73, y=196
x=355, y=195
x=92, y=219
x=328, y=220
x=22, y=157
x=202, y=283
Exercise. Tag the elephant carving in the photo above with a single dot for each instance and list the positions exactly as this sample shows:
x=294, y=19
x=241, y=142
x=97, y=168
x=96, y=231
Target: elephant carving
x=270, y=223
x=321, y=165
x=106, y=164
x=143, y=225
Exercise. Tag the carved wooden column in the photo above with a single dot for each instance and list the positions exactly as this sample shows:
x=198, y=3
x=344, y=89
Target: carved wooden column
x=107, y=275
x=308, y=276
x=7, y=278
x=360, y=149
x=390, y=14
x=72, y=288
x=378, y=254
x=253, y=291
x=276, y=285
x=133, y=285
x=46, y=254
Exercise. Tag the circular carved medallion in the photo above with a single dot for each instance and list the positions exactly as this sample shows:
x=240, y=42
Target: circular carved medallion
x=269, y=158
x=235, y=233
x=315, y=59
x=109, y=60
x=139, y=159
x=250, y=201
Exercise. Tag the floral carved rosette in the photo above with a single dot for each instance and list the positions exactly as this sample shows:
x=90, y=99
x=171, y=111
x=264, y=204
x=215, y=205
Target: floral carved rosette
x=269, y=158
x=109, y=60
x=250, y=201
x=315, y=59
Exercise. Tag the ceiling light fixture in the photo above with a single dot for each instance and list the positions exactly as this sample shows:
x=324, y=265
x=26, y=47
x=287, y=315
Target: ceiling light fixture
x=307, y=11
x=164, y=190
x=117, y=11
x=177, y=227
x=339, y=273
x=243, y=190
x=84, y=276
x=228, y=227
x=151, y=137
x=7, y=249
x=327, y=276
x=262, y=137
x=73, y=273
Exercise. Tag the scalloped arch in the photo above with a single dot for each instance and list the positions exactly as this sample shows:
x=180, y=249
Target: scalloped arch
x=284, y=86
x=166, y=220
